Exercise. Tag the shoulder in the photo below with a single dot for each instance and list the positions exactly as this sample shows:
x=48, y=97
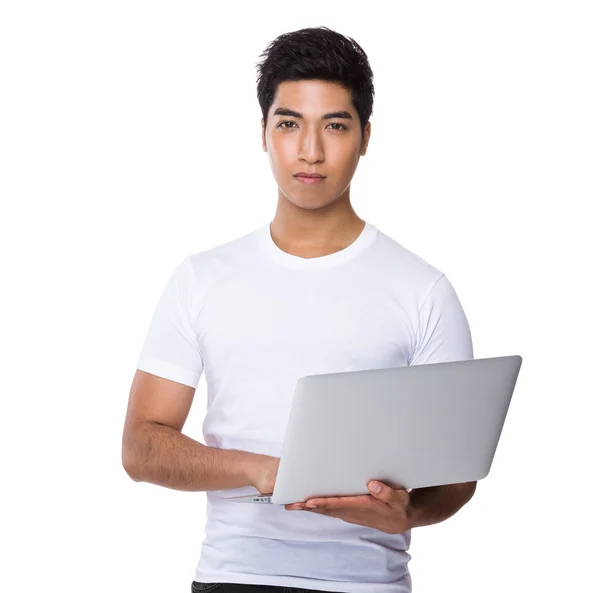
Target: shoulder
x=411, y=271
x=226, y=255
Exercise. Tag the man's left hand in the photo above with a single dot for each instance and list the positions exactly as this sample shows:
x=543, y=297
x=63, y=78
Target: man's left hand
x=388, y=510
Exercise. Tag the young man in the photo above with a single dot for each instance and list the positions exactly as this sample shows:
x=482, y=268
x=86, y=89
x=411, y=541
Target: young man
x=316, y=290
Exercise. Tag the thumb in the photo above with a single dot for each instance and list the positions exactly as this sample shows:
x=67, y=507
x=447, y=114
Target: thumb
x=376, y=487
x=395, y=498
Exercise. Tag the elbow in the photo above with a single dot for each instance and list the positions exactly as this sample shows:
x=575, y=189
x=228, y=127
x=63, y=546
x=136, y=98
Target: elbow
x=129, y=468
x=130, y=446
x=463, y=490
x=129, y=463
x=471, y=487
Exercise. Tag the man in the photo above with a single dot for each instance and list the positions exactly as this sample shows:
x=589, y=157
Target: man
x=316, y=290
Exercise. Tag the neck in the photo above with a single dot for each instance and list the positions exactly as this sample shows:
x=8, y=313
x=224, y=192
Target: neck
x=317, y=232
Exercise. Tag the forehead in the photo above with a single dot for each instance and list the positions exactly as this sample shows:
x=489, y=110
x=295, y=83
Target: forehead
x=312, y=97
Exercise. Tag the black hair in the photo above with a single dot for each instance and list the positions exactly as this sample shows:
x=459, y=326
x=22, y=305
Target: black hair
x=317, y=53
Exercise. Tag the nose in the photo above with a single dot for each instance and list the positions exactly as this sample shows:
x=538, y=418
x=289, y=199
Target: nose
x=311, y=146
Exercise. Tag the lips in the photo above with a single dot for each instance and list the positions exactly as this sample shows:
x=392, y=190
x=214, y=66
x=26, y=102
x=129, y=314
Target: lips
x=309, y=176
x=309, y=180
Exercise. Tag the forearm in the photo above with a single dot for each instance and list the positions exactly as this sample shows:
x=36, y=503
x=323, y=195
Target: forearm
x=162, y=455
x=438, y=503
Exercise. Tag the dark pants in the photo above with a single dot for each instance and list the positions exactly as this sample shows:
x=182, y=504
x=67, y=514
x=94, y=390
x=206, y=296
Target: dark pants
x=242, y=588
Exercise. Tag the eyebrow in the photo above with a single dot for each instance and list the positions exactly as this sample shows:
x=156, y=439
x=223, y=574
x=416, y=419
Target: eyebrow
x=332, y=115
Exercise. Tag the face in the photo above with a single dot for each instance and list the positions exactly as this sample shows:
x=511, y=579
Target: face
x=306, y=141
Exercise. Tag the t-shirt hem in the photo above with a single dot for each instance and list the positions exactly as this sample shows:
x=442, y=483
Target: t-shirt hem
x=404, y=585
x=167, y=370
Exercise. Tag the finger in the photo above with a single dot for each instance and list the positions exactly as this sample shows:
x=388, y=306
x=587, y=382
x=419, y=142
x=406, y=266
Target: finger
x=397, y=499
x=339, y=500
x=291, y=505
x=318, y=510
x=325, y=501
x=348, y=503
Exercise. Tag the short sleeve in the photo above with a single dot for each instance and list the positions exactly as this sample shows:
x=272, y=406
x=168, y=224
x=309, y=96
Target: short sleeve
x=444, y=334
x=171, y=349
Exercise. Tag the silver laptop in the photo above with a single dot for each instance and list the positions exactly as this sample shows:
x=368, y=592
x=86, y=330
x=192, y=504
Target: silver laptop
x=409, y=427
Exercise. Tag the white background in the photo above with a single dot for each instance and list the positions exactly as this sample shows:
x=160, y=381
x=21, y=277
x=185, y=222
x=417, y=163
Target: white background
x=130, y=137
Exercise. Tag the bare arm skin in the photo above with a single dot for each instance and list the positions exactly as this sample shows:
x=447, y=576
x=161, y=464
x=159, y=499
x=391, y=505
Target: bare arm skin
x=154, y=449
x=437, y=503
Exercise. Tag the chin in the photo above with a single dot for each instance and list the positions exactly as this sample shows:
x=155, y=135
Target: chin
x=308, y=202
x=311, y=204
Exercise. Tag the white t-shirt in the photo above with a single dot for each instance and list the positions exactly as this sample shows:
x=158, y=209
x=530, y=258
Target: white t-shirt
x=254, y=319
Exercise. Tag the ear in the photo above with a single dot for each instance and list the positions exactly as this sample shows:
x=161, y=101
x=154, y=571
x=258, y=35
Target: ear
x=363, y=149
x=262, y=125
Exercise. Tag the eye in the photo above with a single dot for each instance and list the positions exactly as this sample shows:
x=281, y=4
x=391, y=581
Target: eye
x=341, y=126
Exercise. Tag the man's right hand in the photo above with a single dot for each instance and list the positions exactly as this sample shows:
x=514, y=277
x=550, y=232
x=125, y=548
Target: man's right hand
x=262, y=471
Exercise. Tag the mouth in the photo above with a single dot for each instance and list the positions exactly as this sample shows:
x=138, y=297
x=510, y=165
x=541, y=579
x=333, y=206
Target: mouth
x=307, y=180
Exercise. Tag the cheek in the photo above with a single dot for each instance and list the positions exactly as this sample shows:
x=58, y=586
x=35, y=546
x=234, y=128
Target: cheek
x=346, y=166
x=345, y=155
x=282, y=154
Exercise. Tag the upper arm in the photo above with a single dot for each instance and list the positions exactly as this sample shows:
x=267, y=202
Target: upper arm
x=170, y=363
x=154, y=399
x=444, y=334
